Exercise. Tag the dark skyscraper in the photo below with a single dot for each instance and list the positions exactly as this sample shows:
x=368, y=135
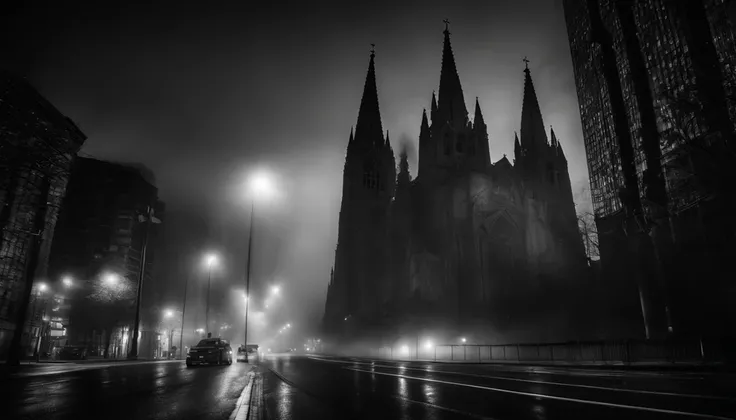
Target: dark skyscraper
x=655, y=85
x=37, y=146
x=466, y=240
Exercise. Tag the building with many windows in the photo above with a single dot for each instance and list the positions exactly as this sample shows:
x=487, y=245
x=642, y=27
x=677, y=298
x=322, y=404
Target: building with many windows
x=37, y=147
x=655, y=83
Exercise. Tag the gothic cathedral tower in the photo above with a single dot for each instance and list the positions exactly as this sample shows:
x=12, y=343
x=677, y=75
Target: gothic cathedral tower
x=360, y=272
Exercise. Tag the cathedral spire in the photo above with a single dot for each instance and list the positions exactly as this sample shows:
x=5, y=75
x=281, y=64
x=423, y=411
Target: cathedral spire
x=424, y=128
x=533, y=134
x=451, y=102
x=478, y=121
x=368, y=130
x=388, y=142
x=404, y=178
x=553, y=138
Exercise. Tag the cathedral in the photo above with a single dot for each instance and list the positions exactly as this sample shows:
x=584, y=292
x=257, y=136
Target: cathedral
x=465, y=242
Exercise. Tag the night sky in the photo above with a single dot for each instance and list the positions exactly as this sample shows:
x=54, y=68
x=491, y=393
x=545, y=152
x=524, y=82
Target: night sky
x=202, y=92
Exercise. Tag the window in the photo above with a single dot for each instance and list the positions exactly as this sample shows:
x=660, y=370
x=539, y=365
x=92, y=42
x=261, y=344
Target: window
x=459, y=143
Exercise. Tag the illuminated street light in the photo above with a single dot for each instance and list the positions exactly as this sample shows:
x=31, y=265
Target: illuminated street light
x=168, y=313
x=67, y=281
x=428, y=344
x=462, y=339
x=210, y=259
x=111, y=279
x=42, y=287
x=275, y=290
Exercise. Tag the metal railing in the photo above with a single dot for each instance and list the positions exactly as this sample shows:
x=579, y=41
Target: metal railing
x=579, y=352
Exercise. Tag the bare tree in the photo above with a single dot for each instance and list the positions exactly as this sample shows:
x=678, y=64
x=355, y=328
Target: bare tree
x=589, y=232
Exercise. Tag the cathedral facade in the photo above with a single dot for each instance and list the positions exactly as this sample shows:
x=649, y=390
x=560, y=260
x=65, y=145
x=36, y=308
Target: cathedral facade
x=467, y=240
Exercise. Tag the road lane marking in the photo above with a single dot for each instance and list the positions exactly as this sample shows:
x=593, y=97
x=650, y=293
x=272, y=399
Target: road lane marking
x=439, y=407
x=241, y=406
x=551, y=397
x=533, y=381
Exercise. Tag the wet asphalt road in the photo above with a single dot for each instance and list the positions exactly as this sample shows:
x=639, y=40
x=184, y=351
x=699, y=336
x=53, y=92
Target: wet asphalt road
x=333, y=388
x=165, y=390
x=300, y=387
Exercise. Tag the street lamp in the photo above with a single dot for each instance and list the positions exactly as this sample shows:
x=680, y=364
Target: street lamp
x=260, y=185
x=111, y=279
x=275, y=290
x=211, y=260
x=463, y=340
x=67, y=281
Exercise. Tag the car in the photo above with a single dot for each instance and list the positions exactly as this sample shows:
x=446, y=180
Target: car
x=210, y=351
x=252, y=353
x=73, y=353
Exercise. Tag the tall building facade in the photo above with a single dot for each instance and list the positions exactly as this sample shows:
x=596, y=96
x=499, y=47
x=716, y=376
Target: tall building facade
x=655, y=82
x=99, y=244
x=467, y=240
x=37, y=147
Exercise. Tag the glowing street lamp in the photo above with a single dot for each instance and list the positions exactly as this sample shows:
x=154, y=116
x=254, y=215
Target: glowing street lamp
x=67, y=281
x=210, y=259
x=463, y=340
x=428, y=344
x=275, y=290
x=168, y=313
x=42, y=287
x=260, y=185
x=111, y=279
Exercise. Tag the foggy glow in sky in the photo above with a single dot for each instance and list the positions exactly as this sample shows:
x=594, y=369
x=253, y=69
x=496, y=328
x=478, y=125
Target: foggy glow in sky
x=204, y=100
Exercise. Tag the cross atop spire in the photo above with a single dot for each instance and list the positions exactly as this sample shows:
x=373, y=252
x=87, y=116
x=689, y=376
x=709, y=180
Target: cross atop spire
x=526, y=63
x=451, y=103
x=373, y=50
x=368, y=129
x=447, y=25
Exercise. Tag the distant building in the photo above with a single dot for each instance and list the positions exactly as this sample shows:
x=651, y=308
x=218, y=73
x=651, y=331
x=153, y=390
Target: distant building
x=37, y=147
x=468, y=241
x=656, y=81
x=98, y=244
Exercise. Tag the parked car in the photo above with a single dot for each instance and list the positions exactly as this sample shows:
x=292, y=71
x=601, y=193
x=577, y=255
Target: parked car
x=210, y=351
x=73, y=353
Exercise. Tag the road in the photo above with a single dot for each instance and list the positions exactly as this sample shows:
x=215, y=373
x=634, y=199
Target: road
x=164, y=390
x=339, y=388
x=320, y=387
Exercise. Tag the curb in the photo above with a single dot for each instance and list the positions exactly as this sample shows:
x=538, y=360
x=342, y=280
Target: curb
x=243, y=406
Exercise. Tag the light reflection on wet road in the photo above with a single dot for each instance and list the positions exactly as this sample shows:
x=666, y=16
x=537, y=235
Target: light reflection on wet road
x=298, y=387
x=141, y=391
x=334, y=388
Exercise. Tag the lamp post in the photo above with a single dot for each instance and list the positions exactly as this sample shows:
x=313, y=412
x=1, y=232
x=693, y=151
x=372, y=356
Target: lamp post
x=211, y=259
x=146, y=220
x=260, y=184
x=183, y=308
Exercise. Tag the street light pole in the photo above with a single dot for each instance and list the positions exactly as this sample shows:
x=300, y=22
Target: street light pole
x=207, y=311
x=247, y=275
x=183, y=309
x=141, y=274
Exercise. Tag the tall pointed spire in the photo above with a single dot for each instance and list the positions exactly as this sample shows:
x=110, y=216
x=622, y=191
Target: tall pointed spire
x=404, y=178
x=553, y=138
x=424, y=128
x=451, y=102
x=388, y=142
x=533, y=134
x=369, y=129
x=478, y=121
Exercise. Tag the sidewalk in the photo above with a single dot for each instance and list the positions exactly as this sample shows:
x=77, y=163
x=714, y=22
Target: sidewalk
x=68, y=365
